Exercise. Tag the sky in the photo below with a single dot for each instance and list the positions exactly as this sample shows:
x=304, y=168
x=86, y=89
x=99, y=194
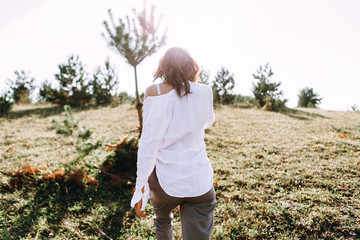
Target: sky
x=306, y=43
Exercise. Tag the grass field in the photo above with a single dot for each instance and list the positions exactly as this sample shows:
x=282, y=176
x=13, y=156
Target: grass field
x=293, y=175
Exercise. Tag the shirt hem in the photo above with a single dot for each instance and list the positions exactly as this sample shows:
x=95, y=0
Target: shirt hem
x=211, y=185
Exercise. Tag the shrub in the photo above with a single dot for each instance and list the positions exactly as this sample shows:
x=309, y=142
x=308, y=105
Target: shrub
x=308, y=98
x=69, y=124
x=22, y=85
x=84, y=133
x=222, y=86
x=46, y=92
x=124, y=157
x=125, y=97
x=5, y=104
x=122, y=97
x=355, y=108
x=266, y=92
x=272, y=104
x=241, y=101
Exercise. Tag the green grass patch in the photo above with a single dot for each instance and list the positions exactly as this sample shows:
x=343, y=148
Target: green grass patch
x=277, y=176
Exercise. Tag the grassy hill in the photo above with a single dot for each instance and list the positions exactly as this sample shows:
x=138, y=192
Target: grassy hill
x=292, y=175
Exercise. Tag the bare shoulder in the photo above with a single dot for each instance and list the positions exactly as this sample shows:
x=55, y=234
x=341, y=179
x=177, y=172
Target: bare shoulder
x=150, y=91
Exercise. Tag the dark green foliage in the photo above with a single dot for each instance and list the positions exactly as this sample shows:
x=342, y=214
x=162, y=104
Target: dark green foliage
x=22, y=85
x=275, y=104
x=241, y=101
x=84, y=133
x=69, y=124
x=104, y=83
x=355, y=108
x=86, y=146
x=135, y=39
x=122, y=97
x=74, y=87
x=125, y=97
x=5, y=104
x=123, y=159
x=266, y=92
x=46, y=92
x=204, y=76
x=41, y=210
x=308, y=98
x=222, y=86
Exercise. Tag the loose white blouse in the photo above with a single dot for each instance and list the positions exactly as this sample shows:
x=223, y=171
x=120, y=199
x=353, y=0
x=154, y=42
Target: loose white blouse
x=172, y=140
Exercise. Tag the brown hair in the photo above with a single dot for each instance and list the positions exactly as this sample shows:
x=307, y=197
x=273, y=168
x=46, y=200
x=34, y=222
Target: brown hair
x=176, y=68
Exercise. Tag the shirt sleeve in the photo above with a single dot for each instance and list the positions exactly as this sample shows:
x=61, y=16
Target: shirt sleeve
x=211, y=117
x=156, y=119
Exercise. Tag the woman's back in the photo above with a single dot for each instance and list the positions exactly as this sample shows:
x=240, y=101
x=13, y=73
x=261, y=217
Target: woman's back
x=181, y=157
x=189, y=116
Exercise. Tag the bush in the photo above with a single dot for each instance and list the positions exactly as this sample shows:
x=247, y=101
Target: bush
x=70, y=127
x=69, y=124
x=124, y=158
x=355, y=108
x=308, y=98
x=5, y=104
x=47, y=92
x=267, y=94
x=241, y=101
x=22, y=85
x=122, y=97
x=277, y=105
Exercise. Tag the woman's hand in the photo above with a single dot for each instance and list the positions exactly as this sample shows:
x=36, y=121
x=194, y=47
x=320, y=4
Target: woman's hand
x=138, y=206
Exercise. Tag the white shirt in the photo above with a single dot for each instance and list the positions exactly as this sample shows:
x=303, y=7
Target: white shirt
x=173, y=140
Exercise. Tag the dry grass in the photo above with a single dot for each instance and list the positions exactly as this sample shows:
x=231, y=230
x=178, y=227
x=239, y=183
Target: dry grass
x=277, y=176
x=35, y=142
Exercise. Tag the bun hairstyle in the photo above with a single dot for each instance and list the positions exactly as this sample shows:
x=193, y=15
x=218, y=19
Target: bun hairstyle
x=177, y=68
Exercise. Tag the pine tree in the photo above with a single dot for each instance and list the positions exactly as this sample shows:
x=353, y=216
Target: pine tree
x=6, y=104
x=204, y=76
x=222, y=86
x=69, y=124
x=308, y=98
x=135, y=39
x=104, y=83
x=74, y=88
x=266, y=92
x=22, y=85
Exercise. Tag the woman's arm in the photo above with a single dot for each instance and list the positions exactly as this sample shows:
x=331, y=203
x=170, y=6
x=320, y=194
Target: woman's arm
x=211, y=118
x=155, y=124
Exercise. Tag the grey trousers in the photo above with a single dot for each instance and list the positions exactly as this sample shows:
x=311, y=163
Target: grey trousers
x=196, y=213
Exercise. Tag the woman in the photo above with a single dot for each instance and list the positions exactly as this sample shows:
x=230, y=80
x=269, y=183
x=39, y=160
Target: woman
x=172, y=166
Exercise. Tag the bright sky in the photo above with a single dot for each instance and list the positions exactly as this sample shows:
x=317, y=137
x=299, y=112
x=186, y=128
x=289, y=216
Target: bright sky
x=307, y=43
